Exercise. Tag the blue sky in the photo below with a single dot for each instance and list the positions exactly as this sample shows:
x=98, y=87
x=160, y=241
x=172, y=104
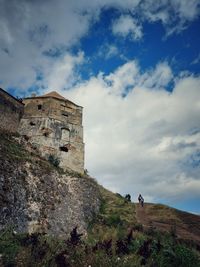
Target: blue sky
x=135, y=68
x=180, y=50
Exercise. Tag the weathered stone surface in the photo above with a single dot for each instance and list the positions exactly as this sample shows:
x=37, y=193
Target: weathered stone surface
x=54, y=125
x=33, y=200
x=11, y=111
x=48, y=136
x=34, y=197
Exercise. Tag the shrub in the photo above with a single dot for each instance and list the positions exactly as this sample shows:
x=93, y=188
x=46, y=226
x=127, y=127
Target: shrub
x=75, y=238
x=114, y=220
x=178, y=256
x=185, y=257
x=128, y=197
x=86, y=172
x=54, y=160
x=9, y=247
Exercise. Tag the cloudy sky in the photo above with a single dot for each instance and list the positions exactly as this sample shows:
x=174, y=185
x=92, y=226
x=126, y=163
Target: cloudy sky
x=134, y=65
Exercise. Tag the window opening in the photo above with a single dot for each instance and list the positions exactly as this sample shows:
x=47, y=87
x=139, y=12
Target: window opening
x=64, y=149
x=46, y=134
x=39, y=107
x=64, y=114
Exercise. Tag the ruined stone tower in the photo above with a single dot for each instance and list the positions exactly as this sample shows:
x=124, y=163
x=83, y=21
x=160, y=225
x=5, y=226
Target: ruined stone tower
x=53, y=125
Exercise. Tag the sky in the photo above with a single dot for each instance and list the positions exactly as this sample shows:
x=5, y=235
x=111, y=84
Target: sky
x=134, y=65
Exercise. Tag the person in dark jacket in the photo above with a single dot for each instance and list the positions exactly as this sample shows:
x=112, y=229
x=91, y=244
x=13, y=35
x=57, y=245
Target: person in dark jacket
x=141, y=200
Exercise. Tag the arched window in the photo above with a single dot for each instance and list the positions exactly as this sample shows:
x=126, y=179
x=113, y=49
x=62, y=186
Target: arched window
x=65, y=134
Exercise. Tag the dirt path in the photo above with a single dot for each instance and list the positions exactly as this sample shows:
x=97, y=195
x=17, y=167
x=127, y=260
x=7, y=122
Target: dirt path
x=141, y=215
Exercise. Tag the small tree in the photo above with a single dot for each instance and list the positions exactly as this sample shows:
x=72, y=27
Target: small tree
x=54, y=160
x=128, y=198
x=86, y=172
x=75, y=237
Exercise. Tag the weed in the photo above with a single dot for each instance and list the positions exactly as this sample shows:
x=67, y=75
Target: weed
x=54, y=160
x=75, y=237
x=113, y=220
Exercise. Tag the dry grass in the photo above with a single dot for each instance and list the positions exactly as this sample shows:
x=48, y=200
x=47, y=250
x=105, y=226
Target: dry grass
x=163, y=218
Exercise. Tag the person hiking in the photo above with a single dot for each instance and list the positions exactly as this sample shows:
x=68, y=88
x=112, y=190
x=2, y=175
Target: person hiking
x=141, y=200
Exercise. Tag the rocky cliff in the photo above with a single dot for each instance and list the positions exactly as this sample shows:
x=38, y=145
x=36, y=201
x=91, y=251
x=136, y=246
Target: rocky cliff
x=37, y=197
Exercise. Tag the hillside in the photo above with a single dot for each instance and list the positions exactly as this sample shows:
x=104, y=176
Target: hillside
x=185, y=225
x=154, y=217
x=79, y=223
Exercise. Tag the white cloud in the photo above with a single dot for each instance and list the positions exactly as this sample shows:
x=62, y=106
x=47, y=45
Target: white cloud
x=187, y=10
x=138, y=143
x=63, y=73
x=30, y=29
x=107, y=51
x=111, y=51
x=126, y=25
x=157, y=78
x=123, y=77
x=196, y=60
x=34, y=27
x=174, y=14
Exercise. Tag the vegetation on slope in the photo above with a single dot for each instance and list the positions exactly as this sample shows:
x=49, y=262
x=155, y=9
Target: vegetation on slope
x=163, y=218
x=12, y=152
x=16, y=149
x=116, y=237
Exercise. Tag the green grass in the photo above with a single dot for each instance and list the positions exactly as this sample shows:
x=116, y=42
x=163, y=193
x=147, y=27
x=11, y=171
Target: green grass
x=10, y=148
x=12, y=151
x=9, y=246
x=109, y=242
x=106, y=244
x=116, y=216
x=22, y=250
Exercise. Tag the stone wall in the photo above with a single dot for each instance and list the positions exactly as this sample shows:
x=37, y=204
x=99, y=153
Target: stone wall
x=53, y=137
x=59, y=109
x=34, y=197
x=11, y=110
x=54, y=127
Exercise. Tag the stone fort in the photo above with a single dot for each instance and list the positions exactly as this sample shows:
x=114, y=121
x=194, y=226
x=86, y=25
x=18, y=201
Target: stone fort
x=11, y=111
x=51, y=123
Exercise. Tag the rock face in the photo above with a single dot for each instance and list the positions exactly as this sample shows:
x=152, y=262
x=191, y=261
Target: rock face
x=34, y=197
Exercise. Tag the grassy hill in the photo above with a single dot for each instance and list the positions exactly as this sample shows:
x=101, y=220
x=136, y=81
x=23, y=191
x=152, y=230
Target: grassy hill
x=184, y=225
x=123, y=234
x=116, y=237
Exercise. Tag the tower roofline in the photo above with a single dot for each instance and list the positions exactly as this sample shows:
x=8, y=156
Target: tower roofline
x=54, y=95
